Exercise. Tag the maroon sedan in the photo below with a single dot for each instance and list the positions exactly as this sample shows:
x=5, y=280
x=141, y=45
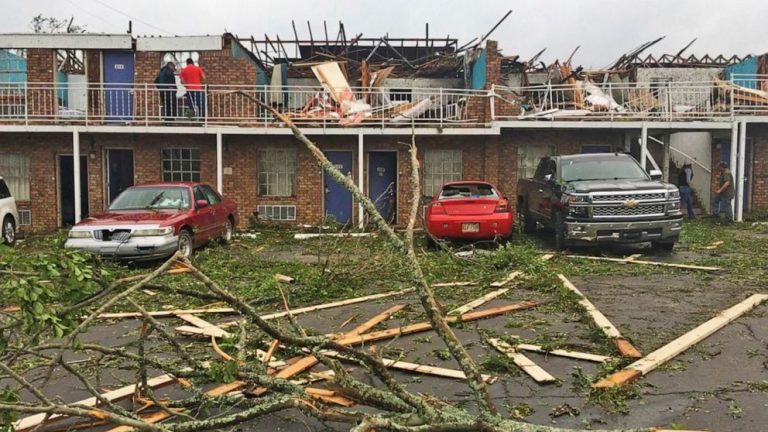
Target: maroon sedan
x=469, y=210
x=155, y=220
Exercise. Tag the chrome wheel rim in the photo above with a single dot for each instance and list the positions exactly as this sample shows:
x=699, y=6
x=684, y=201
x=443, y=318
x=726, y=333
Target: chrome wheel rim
x=185, y=246
x=10, y=233
x=228, y=232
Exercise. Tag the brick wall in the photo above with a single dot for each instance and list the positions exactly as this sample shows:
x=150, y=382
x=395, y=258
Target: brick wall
x=41, y=98
x=759, y=187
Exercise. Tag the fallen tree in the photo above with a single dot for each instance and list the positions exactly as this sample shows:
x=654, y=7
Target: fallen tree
x=247, y=385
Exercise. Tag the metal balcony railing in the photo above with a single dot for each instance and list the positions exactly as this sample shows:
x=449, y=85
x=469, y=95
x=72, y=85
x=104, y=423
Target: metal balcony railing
x=146, y=104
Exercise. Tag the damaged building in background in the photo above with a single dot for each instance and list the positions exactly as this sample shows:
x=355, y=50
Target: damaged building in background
x=81, y=118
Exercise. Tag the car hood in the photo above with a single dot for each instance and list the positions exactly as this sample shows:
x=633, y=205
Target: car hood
x=617, y=185
x=139, y=217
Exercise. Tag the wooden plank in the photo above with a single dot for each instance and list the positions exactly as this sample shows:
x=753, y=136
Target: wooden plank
x=661, y=264
x=167, y=313
x=682, y=343
x=478, y=302
x=203, y=324
x=532, y=369
x=112, y=396
x=418, y=368
x=512, y=276
x=453, y=284
x=564, y=353
x=329, y=396
x=284, y=279
x=547, y=257
x=625, y=347
x=307, y=236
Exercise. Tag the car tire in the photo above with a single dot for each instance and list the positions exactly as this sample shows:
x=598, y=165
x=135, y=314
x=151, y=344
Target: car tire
x=8, y=231
x=663, y=246
x=431, y=244
x=525, y=220
x=185, y=243
x=561, y=242
x=226, y=238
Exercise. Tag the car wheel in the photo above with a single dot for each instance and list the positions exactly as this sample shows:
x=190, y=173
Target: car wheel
x=185, y=243
x=228, y=230
x=525, y=220
x=663, y=246
x=561, y=242
x=431, y=244
x=9, y=231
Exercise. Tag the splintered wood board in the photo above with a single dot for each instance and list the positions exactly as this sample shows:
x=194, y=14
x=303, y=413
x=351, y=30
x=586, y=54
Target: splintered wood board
x=636, y=261
x=512, y=276
x=478, y=302
x=532, y=369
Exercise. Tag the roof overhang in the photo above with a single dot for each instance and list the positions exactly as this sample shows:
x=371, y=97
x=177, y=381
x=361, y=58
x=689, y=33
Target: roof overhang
x=180, y=43
x=66, y=41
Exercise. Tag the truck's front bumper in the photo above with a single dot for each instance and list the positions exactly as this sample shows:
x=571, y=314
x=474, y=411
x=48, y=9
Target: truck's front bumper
x=624, y=232
x=135, y=249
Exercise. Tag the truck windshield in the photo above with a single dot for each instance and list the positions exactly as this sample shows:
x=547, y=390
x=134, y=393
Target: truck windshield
x=602, y=169
x=152, y=198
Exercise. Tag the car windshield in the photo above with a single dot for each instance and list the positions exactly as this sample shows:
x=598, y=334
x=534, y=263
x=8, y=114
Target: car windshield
x=472, y=190
x=152, y=198
x=601, y=169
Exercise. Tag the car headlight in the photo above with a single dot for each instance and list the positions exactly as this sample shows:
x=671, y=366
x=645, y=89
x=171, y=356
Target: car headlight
x=674, y=195
x=578, y=198
x=79, y=234
x=152, y=232
x=674, y=206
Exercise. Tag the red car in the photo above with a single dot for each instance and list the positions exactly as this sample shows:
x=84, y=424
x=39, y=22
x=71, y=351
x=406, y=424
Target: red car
x=152, y=221
x=469, y=210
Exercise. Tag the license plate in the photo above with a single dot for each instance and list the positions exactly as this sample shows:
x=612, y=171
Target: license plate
x=470, y=227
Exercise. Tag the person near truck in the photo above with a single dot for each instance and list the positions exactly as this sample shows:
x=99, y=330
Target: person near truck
x=684, y=184
x=166, y=84
x=723, y=193
x=193, y=77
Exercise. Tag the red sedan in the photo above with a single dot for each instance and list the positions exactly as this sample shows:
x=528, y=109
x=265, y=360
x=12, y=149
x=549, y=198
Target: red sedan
x=469, y=210
x=153, y=221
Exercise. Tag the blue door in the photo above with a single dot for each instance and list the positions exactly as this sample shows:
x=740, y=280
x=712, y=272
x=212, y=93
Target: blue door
x=338, y=201
x=725, y=145
x=382, y=183
x=118, y=85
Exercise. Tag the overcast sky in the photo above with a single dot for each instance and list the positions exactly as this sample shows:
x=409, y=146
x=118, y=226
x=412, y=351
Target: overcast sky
x=604, y=28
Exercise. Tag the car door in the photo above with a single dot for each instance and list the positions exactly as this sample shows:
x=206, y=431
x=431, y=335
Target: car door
x=204, y=216
x=219, y=212
x=549, y=197
x=538, y=184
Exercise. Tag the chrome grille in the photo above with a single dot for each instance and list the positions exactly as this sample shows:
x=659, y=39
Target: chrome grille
x=629, y=196
x=107, y=235
x=642, y=210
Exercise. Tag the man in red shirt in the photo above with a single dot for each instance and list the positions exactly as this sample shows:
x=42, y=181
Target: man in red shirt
x=193, y=78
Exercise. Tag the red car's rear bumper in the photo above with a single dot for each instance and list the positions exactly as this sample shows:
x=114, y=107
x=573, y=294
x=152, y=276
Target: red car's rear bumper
x=450, y=227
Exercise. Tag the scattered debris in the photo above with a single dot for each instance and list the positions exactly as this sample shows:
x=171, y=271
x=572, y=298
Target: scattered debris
x=307, y=236
x=635, y=261
x=284, y=279
x=564, y=409
x=682, y=343
x=478, y=302
x=714, y=245
x=535, y=371
x=564, y=353
x=512, y=276
x=453, y=284
x=625, y=347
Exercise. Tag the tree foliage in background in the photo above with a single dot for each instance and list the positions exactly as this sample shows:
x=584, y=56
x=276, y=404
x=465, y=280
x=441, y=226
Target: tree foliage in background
x=47, y=24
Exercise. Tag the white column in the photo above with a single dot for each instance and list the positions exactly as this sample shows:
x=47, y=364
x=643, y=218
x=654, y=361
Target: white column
x=644, y=146
x=76, y=170
x=733, y=165
x=740, y=177
x=219, y=163
x=360, y=170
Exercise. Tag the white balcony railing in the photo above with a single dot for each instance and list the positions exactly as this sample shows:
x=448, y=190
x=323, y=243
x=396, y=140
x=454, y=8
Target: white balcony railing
x=145, y=104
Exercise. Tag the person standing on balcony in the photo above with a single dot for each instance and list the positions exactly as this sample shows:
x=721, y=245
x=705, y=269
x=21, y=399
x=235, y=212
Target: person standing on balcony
x=684, y=184
x=193, y=77
x=724, y=193
x=166, y=84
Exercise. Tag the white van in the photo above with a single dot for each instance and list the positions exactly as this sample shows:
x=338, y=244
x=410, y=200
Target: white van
x=8, y=215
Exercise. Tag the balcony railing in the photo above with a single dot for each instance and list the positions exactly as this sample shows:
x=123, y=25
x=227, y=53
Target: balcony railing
x=146, y=104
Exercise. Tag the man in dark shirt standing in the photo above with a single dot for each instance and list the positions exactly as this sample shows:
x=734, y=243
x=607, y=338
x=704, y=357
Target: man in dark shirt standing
x=724, y=193
x=193, y=78
x=684, y=183
x=166, y=84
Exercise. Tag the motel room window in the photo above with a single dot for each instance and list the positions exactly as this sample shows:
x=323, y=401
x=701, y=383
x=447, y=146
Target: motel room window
x=14, y=169
x=277, y=172
x=441, y=166
x=181, y=164
x=180, y=59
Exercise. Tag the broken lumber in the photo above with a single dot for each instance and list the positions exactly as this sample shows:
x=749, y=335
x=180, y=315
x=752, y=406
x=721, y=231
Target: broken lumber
x=328, y=396
x=112, y=396
x=681, y=344
x=284, y=279
x=512, y=276
x=714, y=245
x=478, y=302
x=532, y=369
x=563, y=353
x=418, y=368
x=661, y=264
x=307, y=236
x=625, y=347
x=200, y=323
x=167, y=313
x=452, y=284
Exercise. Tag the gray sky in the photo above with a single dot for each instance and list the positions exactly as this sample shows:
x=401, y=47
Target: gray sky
x=604, y=28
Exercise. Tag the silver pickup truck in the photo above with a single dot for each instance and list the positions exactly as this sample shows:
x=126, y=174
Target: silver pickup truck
x=600, y=198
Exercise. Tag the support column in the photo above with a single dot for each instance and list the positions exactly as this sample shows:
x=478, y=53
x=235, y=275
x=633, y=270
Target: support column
x=644, y=146
x=740, y=177
x=733, y=165
x=360, y=178
x=219, y=163
x=76, y=170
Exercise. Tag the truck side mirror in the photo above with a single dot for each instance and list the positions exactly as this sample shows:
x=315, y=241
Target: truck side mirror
x=655, y=174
